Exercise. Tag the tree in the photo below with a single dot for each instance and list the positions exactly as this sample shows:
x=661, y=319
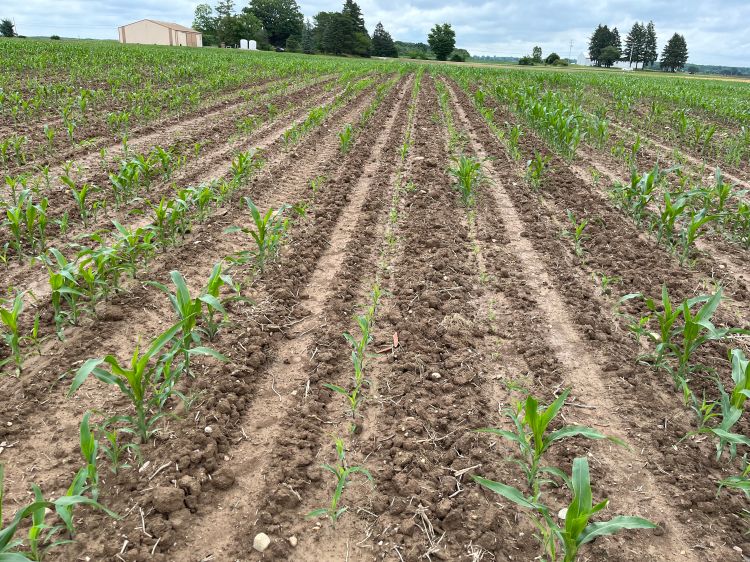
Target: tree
x=552, y=58
x=609, y=55
x=650, y=54
x=635, y=45
x=442, y=40
x=536, y=54
x=308, y=38
x=226, y=25
x=7, y=29
x=601, y=39
x=353, y=10
x=616, y=42
x=247, y=26
x=281, y=18
x=205, y=22
x=675, y=53
x=382, y=43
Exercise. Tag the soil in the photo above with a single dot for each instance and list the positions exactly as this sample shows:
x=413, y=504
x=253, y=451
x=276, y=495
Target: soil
x=480, y=306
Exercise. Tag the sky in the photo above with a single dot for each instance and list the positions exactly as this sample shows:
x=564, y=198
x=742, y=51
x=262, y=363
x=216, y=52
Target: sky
x=716, y=31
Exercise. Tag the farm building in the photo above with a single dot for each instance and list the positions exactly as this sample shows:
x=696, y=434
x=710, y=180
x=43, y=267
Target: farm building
x=154, y=32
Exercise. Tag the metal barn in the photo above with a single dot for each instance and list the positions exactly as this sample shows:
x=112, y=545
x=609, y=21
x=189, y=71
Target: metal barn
x=154, y=32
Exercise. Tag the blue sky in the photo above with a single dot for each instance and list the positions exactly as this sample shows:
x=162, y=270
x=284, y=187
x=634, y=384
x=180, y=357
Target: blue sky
x=717, y=32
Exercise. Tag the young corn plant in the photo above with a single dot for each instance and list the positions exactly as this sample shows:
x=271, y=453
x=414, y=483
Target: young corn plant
x=114, y=450
x=244, y=165
x=189, y=310
x=268, y=232
x=691, y=231
x=563, y=543
x=66, y=293
x=577, y=233
x=530, y=434
x=148, y=381
x=535, y=169
x=41, y=536
x=469, y=177
x=343, y=473
x=346, y=138
x=359, y=354
x=11, y=333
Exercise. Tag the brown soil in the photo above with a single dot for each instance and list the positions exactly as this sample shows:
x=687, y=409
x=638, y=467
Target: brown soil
x=485, y=304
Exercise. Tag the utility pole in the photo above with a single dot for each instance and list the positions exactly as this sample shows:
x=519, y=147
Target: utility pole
x=570, y=51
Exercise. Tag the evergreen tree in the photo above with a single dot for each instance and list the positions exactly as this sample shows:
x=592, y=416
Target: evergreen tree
x=650, y=53
x=635, y=45
x=601, y=39
x=308, y=38
x=339, y=34
x=382, y=43
x=675, y=53
x=616, y=41
x=442, y=40
x=7, y=29
x=353, y=10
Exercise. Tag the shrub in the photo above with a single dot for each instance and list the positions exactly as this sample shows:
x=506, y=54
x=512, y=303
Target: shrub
x=552, y=58
x=526, y=61
x=55, y=37
x=560, y=62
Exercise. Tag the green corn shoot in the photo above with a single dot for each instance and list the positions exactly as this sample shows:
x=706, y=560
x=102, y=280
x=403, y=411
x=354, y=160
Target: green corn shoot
x=11, y=331
x=562, y=544
x=469, y=177
x=343, y=473
x=530, y=433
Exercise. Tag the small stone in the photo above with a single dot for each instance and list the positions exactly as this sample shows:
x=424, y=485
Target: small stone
x=562, y=513
x=293, y=541
x=435, y=376
x=261, y=542
x=209, y=430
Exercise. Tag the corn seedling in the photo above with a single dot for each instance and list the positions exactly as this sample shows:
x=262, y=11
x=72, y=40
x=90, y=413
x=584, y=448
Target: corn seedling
x=244, y=164
x=635, y=198
x=469, y=177
x=66, y=292
x=148, y=381
x=562, y=544
x=11, y=330
x=535, y=169
x=530, y=433
x=40, y=535
x=346, y=138
x=576, y=234
x=343, y=473
x=267, y=234
x=113, y=449
x=691, y=231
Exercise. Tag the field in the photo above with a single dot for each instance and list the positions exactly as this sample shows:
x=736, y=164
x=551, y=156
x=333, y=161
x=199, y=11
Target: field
x=223, y=270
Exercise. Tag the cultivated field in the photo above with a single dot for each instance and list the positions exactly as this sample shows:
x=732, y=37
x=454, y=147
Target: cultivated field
x=224, y=270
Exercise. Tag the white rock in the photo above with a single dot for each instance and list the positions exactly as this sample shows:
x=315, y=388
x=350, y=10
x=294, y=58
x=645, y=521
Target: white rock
x=435, y=376
x=261, y=542
x=562, y=513
x=293, y=541
x=208, y=429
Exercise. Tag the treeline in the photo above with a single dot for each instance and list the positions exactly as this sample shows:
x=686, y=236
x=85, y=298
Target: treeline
x=279, y=24
x=423, y=51
x=607, y=48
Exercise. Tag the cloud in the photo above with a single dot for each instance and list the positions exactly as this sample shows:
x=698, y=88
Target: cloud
x=717, y=31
